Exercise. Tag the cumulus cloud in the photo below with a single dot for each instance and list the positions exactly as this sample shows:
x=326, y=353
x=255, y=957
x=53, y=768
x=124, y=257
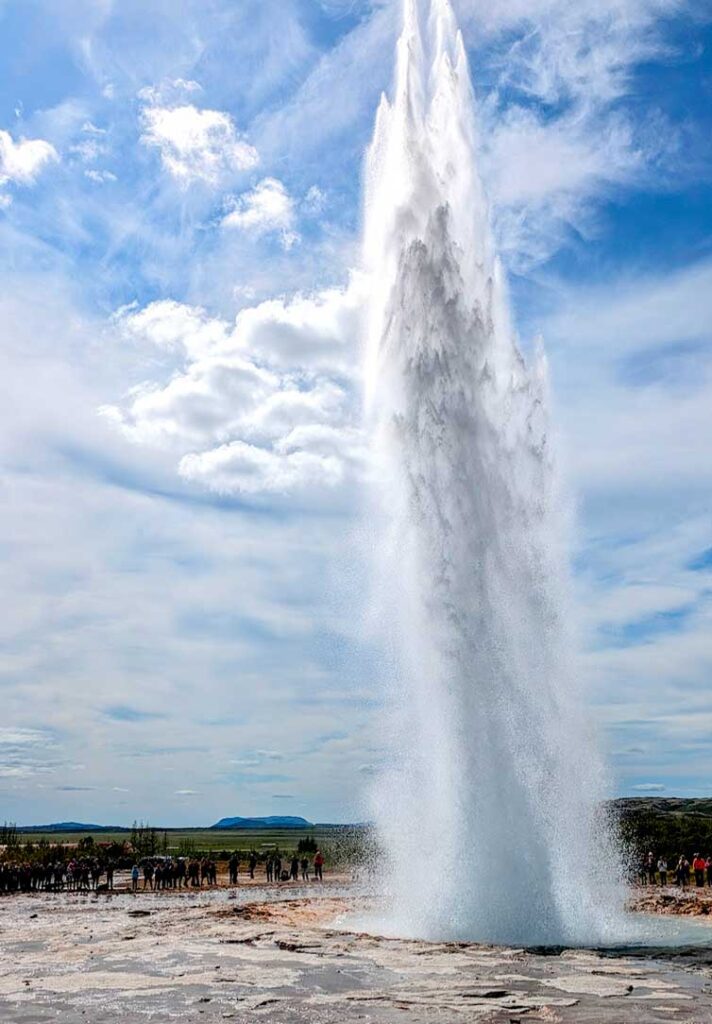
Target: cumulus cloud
x=196, y=144
x=267, y=208
x=266, y=405
x=21, y=162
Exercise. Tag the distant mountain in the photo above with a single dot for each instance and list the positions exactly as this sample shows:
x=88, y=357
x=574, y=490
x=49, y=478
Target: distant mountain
x=72, y=826
x=278, y=821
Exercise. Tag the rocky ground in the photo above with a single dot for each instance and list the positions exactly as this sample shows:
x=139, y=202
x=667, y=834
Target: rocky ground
x=287, y=955
x=691, y=902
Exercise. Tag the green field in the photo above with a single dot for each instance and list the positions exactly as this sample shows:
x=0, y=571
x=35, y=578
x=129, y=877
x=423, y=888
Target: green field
x=203, y=838
x=339, y=844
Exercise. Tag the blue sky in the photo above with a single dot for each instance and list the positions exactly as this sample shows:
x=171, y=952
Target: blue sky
x=181, y=455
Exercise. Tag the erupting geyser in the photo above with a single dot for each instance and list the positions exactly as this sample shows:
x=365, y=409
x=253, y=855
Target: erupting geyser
x=488, y=812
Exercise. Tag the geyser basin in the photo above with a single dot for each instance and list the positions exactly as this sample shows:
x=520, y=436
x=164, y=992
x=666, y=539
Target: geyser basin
x=488, y=812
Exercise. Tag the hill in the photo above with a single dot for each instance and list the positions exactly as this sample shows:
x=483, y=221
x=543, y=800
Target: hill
x=71, y=826
x=262, y=823
x=676, y=805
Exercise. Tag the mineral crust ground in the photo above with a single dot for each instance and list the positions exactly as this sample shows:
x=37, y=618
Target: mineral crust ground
x=290, y=955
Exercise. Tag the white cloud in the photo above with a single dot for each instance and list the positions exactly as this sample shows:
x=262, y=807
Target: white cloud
x=174, y=326
x=195, y=144
x=169, y=91
x=21, y=162
x=100, y=177
x=247, y=469
x=267, y=208
x=268, y=405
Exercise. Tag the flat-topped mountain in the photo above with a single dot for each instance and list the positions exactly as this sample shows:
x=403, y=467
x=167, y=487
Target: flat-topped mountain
x=277, y=821
x=72, y=826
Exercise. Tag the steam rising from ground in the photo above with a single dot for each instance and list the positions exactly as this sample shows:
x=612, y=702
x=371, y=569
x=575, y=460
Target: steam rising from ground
x=488, y=813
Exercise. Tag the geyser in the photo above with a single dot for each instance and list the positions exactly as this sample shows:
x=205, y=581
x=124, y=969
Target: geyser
x=488, y=812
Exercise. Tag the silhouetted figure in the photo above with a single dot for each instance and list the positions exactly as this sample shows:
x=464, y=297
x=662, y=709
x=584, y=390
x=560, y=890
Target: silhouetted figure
x=234, y=866
x=305, y=869
x=682, y=871
x=148, y=875
x=294, y=869
x=252, y=864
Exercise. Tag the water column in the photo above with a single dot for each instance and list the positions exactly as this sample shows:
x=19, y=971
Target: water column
x=487, y=808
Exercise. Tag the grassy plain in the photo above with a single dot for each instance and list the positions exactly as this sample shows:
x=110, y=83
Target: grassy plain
x=340, y=843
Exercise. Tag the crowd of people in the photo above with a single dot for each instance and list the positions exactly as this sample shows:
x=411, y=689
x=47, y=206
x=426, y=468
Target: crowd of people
x=150, y=873
x=656, y=871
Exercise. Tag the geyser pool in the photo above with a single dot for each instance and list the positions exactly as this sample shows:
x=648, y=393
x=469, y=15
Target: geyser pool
x=488, y=811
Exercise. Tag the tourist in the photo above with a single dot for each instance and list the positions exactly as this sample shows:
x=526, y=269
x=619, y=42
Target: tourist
x=698, y=866
x=148, y=875
x=708, y=866
x=294, y=869
x=683, y=871
x=269, y=868
x=234, y=867
x=252, y=864
x=662, y=870
x=277, y=868
x=305, y=869
x=134, y=878
x=319, y=866
x=650, y=867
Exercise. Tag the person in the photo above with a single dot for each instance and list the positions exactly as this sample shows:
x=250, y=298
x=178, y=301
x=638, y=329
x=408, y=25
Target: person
x=110, y=874
x=294, y=868
x=698, y=866
x=319, y=865
x=233, y=865
x=277, y=868
x=683, y=871
x=650, y=865
x=662, y=870
x=148, y=875
x=643, y=871
x=269, y=868
x=134, y=878
x=253, y=864
x=305, y=869
x=708, y=866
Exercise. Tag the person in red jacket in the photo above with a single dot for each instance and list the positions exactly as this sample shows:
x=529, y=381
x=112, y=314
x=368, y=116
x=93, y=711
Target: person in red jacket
x=319, y=865
x=698, y=866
